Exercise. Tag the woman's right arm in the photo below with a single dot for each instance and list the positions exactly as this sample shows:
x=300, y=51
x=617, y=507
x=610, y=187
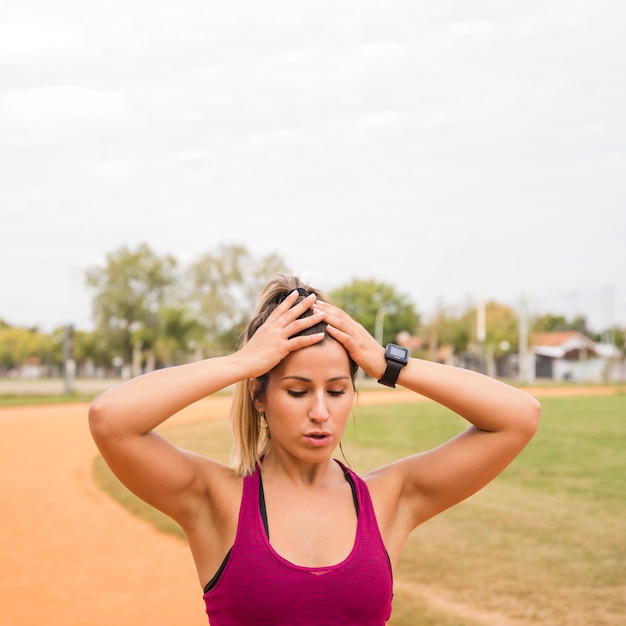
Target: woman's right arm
x=122, y=420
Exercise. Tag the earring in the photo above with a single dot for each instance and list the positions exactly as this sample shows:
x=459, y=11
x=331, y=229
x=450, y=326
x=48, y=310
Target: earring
x=265, y=424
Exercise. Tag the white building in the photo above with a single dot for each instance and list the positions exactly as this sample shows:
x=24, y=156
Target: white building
x=570, y=355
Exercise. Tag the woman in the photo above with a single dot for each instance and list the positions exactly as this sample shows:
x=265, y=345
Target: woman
x=287, y=535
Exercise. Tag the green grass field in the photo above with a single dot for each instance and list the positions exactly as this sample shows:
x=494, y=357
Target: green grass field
x=29, y=400
x=545, y=543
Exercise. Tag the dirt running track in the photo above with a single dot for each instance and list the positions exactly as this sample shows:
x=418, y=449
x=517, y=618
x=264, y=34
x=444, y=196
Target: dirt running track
x=69, y=555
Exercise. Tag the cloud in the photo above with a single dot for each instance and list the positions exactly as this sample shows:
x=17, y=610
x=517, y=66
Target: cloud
x=487, y=137
x=20, y=39
x=64, y=101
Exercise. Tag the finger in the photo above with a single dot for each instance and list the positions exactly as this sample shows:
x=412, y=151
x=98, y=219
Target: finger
x=334, y=316
x=301, y=323
x=331, y=309
x=291, y=309
x=302, y=341
x=341, y=336
x=306, y=303
x=286, y=304
x=288, y=310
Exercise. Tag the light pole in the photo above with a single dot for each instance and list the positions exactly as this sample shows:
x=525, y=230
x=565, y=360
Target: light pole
x=378, y=326
x=481, y=333
x=69, y=364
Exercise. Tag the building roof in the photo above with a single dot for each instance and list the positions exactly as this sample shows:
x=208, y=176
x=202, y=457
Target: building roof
x=561, y=343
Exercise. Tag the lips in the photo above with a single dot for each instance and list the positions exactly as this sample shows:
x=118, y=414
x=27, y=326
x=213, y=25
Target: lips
x=317, y=438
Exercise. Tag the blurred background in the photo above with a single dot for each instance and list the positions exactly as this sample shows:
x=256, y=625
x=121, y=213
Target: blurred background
x=452, y=154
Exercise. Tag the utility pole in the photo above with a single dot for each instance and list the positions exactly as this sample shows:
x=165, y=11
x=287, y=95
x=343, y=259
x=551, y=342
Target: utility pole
x=481, y=333
x=523, y=341
x=378, y=326
x=69, y=364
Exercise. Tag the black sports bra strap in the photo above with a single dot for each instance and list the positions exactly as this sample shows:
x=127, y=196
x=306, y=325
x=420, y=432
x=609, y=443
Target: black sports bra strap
x=262, y=508
x=218, y=574
x=353, y=488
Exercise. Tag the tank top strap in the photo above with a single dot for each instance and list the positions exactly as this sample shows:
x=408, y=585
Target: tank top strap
x=250, y=500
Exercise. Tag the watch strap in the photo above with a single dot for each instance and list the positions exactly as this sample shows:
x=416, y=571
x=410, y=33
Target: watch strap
x=391, y=374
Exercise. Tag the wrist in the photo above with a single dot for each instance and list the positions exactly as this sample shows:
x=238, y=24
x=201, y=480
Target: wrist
x=396, y=357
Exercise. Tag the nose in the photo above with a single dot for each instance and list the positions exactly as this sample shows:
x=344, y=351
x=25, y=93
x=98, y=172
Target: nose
x=319, y=410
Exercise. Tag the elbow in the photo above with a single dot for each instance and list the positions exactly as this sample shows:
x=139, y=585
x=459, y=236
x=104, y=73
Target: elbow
x=99, y=419
x=531, y=417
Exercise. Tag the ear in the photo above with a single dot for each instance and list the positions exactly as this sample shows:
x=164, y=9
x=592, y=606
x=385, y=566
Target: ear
x=254, y=387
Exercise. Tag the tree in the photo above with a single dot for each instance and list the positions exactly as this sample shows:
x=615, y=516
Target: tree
x=222, y=288
x=130, y=289
x=460, y=331
x=501, y=327
x=449, y=330
x=614, y=335
x=90, y=347
x=549, y=323
x=20, y=346
x=178, y=335
x=369, y=302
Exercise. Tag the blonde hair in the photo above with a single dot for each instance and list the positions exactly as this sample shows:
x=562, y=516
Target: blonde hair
x=250, y=436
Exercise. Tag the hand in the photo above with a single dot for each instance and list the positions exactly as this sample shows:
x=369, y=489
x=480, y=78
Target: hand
x=361, y=346
x=271, y=343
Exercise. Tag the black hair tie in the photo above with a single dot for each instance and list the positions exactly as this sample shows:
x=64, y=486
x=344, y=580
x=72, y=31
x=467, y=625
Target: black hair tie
x=301, y=291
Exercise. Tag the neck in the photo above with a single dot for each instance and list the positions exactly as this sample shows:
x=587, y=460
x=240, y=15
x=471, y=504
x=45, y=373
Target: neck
x=297, y=471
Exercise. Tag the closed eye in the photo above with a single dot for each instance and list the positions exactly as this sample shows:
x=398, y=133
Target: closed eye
x=331, y=392
x=296, y=394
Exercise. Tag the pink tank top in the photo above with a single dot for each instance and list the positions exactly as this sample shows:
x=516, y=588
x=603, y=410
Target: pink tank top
x=257, y=587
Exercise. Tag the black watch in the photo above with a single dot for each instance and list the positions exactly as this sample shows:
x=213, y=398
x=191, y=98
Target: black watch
x=397, y=357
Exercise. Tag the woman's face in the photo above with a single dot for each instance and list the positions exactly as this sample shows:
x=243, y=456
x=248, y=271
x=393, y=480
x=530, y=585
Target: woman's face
x=308, y=400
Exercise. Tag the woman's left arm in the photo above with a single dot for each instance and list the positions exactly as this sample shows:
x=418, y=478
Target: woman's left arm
x=502, y=420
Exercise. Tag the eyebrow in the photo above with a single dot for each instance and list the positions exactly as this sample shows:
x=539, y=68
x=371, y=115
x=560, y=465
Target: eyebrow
x=308, y=380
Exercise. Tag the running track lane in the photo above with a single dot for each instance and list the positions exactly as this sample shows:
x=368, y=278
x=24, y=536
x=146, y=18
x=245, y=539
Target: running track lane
x=69, y=555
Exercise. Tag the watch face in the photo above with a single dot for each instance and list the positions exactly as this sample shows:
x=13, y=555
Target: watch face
x=397, y=352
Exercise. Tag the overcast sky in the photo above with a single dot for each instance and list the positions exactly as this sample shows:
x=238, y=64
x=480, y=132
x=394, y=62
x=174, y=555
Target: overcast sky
x=454, y=149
